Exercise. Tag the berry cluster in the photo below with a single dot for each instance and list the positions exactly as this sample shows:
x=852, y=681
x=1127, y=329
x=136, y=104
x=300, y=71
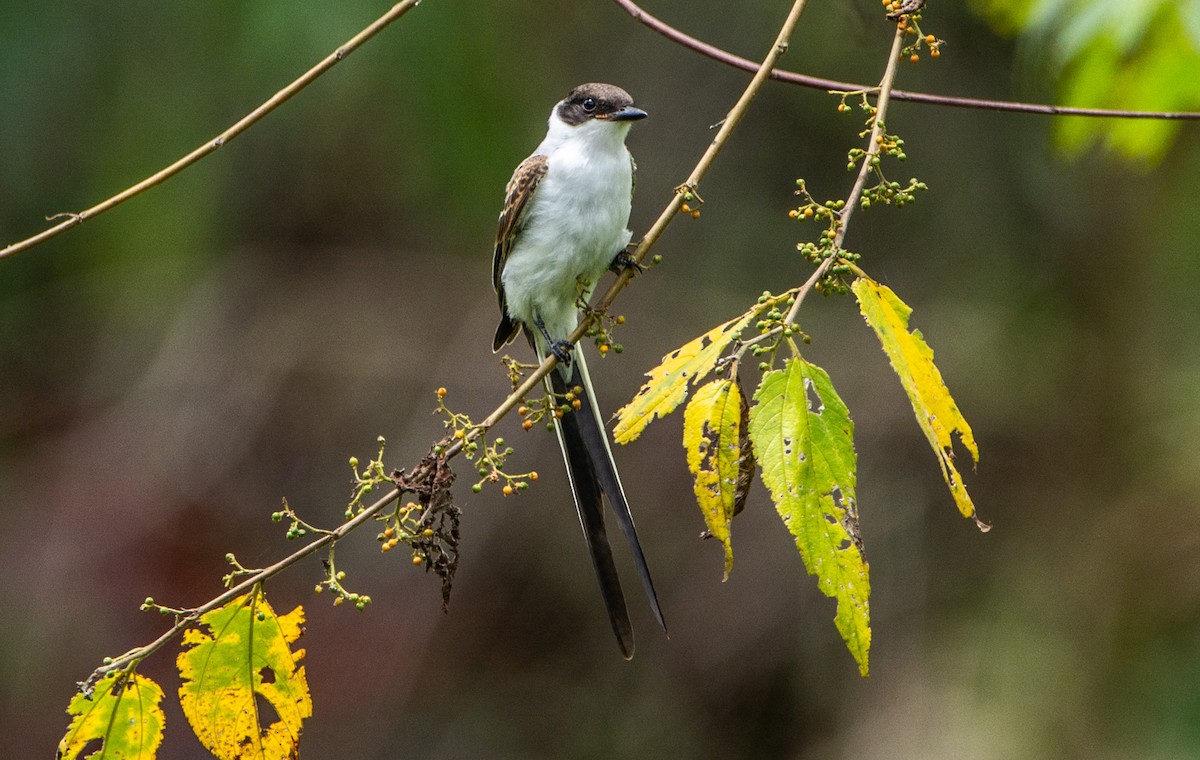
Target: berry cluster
x=826, y=246
x=549, y=408
x=910, y=23
x=691, y=201
x=488, y=458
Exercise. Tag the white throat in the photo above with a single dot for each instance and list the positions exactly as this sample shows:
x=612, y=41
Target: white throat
x=592, y=135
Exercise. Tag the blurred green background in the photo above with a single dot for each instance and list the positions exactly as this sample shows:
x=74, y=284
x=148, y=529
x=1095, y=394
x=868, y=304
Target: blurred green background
x=172, y=369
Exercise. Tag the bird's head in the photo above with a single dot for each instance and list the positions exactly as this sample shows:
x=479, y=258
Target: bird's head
x=596, y=102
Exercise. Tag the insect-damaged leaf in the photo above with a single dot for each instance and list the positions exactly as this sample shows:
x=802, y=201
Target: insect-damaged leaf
x=912, y=358
x=121, y=720
x=667, y=386
x=803, y=437
x=719, y=456
x=244, y=662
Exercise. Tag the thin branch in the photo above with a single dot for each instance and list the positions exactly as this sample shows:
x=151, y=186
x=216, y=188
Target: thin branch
x=76, y=219
x=192, y=615
x=873, y=146
x=804, y=80
x=453, y=449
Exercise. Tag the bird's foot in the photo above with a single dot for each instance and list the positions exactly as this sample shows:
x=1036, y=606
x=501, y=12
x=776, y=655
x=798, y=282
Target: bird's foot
x=560, y=348
x=624, y=262
x=562, y=351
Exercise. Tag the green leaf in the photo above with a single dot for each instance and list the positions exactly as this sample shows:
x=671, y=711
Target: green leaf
x=912, y=358
x=717, y=449
x=804, y=440
x=122, y=716
x=667, y=387
x=245, y=655
x=1121, y=54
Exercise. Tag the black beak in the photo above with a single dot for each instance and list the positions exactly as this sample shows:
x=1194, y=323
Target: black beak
x=628, y=113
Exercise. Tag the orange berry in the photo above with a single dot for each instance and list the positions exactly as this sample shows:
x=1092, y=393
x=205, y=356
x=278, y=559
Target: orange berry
x=508, y=490
x=533, y=476
x=459, y=434
x=696, y=214
x=934, y=52
x=914, y=58
x=387, y=546
x=685, y=208
x=930, y=39
x=527, y=424
x=418, y=559
x=793, y=214
x=575, y=404
x=441, y=392
x=522, y=410
x=808, y=212
x=603, y=350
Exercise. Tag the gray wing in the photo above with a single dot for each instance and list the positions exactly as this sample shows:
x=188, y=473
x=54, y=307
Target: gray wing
x=520, y=189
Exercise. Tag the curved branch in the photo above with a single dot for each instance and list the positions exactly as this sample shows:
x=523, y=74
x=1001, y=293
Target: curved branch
x=305, y=79
x=729, y=59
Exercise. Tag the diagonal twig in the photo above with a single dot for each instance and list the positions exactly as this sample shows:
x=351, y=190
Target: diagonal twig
x=305, y=79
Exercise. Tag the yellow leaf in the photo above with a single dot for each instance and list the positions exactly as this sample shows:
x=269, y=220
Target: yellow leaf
x=717, y=449
x=121, y=720
x=243, y=662
x=804, y=440
x=667, y=386
x=912, y=358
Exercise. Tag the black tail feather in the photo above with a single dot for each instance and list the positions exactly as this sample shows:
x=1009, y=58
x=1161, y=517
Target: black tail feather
x=588, y=502
x=593, y=473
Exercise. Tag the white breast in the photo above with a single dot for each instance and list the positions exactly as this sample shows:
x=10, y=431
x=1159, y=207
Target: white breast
x=574, y=226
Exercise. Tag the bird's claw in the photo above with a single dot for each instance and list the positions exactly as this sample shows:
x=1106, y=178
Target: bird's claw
x=624, y=262
x=562, y=351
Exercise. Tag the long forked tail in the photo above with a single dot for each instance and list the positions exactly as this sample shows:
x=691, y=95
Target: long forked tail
x=592, y=473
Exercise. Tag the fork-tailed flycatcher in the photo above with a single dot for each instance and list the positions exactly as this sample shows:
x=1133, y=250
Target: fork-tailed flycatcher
x=564, y=222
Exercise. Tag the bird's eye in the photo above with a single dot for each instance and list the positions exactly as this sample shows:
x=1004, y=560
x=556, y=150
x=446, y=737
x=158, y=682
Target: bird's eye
x=589, y=104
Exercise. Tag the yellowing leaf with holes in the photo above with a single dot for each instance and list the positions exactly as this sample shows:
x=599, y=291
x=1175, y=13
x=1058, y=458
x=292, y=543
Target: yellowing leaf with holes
x=804, y=440
x=667, y=386
x=121, y=721
x=912, y=358
x=243, y=692
x=719, y=456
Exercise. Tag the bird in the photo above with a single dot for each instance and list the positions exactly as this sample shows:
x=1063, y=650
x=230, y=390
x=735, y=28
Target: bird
x=563, y=225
